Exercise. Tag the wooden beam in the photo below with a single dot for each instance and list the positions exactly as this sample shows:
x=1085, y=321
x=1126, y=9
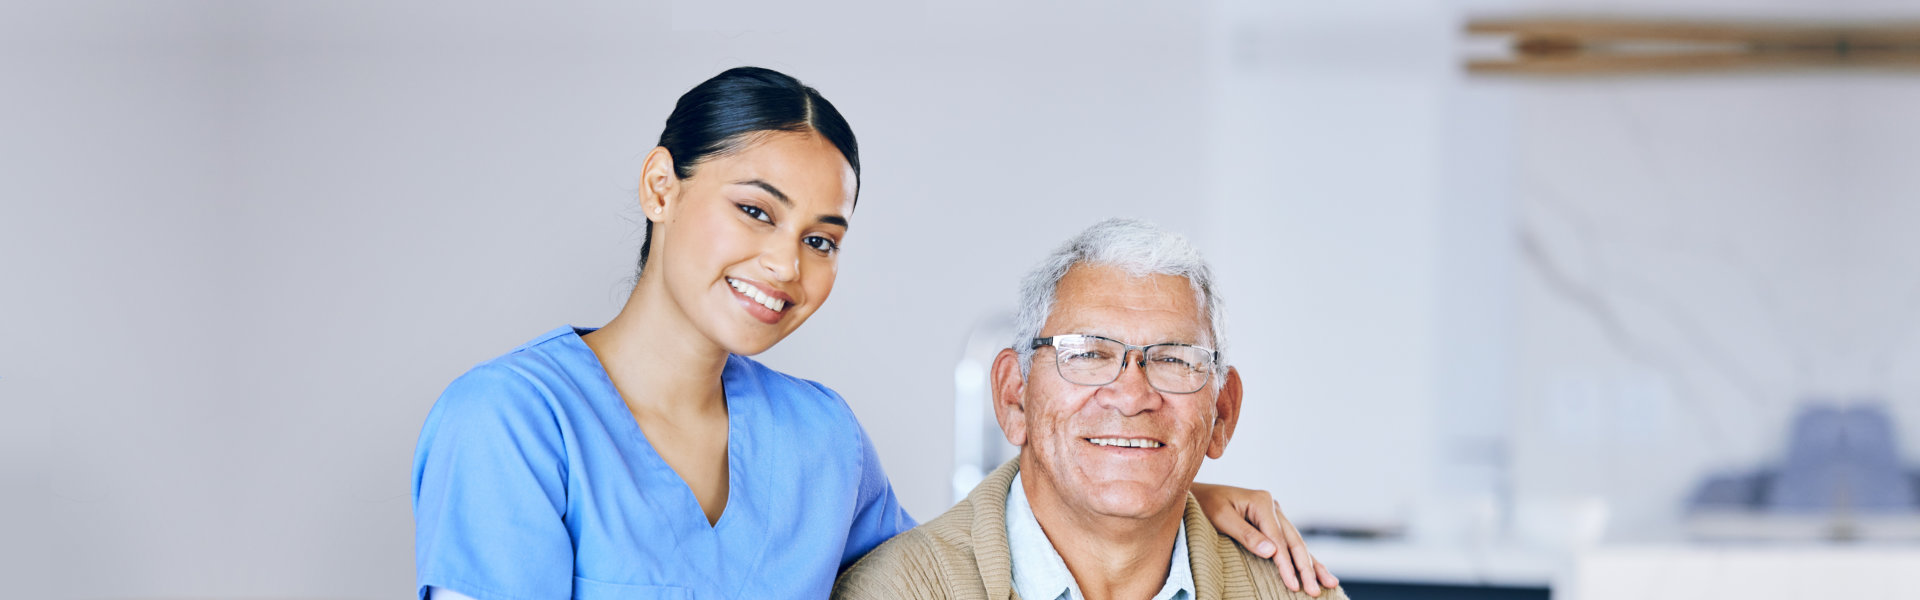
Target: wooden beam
x=1613, y=46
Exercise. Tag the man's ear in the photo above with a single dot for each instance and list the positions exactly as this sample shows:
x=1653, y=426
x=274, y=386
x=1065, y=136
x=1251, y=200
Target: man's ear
x=658, y=184
x=1010, y=396
x=1226, y=413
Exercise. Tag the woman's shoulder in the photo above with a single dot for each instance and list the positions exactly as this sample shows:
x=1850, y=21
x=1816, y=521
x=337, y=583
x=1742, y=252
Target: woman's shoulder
x=522, y=381
x=776, y=381
x=796, y=393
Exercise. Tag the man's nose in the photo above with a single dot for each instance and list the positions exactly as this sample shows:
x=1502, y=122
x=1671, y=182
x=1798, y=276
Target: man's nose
x=1131, y=393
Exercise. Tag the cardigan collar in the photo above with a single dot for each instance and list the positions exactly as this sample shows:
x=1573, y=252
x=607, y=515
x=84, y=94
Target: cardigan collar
x=988, y=503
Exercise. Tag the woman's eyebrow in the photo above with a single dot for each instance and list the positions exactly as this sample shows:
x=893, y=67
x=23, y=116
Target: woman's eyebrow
x=782, y=197
x=777, y=194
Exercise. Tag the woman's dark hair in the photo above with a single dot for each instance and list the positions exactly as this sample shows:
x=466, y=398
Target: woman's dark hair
x=721, y=115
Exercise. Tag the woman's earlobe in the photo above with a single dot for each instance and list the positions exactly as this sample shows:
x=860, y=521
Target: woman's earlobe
x=657, y=181
x=654, y=198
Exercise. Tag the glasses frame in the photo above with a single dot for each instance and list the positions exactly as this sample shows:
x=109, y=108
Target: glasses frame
x=1213, y=360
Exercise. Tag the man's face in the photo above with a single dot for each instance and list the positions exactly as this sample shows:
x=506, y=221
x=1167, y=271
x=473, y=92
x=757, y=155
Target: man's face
x=1065, y=429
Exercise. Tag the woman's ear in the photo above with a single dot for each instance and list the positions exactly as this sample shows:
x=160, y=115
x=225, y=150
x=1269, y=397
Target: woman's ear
x=658, y=184
x=1009, y=397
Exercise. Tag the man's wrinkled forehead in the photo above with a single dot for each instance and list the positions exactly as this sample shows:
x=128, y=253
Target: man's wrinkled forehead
x=1110, y=302
x=1112, y=291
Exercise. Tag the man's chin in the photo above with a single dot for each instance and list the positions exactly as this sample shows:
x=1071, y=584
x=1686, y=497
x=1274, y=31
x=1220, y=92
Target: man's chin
x=1133, y=499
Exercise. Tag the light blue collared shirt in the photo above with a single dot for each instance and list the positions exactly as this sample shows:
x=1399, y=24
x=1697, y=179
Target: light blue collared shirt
x=1040, y=574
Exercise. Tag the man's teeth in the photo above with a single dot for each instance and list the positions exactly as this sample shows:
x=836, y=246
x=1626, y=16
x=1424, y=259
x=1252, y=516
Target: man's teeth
x=1126, y=442
x=773, y=304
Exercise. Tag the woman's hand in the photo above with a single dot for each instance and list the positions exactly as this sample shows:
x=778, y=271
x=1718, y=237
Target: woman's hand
x=1253, y=518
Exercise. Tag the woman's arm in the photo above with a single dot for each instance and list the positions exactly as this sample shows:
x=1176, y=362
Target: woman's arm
x=878, y=515
x=489, y=495
x=1253, y=518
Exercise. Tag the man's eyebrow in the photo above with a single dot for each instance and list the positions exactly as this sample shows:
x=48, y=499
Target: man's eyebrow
x=777, y=194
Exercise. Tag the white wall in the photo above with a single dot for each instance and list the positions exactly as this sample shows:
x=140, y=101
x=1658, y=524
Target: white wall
x=247, y=245
x=1326, y=188
x=255, y=241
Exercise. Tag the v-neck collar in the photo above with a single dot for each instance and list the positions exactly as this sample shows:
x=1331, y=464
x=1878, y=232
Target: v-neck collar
x=737, y=389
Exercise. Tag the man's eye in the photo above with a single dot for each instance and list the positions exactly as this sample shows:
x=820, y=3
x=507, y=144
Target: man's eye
x=1088, y=355
x=1168, y=362
x=821, y=244
x=755, y=212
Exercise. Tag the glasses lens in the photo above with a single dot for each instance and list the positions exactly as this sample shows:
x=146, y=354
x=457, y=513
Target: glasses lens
x=1088, y=360
x=1178, y=369
x=1172, y=368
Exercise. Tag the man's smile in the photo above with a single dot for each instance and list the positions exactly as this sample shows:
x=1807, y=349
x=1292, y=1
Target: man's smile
x=1125, y=442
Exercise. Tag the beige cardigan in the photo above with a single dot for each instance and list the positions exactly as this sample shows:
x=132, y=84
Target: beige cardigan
x=963, y=555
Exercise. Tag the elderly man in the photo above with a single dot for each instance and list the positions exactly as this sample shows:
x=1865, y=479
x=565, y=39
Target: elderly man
x=1115, y=391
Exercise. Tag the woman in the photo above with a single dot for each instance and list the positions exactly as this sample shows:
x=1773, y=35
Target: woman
x=650, y=458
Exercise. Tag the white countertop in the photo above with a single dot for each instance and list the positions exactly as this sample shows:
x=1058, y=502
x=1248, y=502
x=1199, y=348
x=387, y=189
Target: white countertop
x=1615, y=570
x=1406, y=561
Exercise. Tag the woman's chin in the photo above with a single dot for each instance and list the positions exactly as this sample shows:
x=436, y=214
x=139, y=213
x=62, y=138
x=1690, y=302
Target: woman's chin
x=748, y=349
x=752, y=340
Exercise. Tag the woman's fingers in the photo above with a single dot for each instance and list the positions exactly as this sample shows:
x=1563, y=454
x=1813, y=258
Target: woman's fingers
x=1271, y=526
x=1297, y=551
x=1282, y=557
x=1254, y=519
x=1305, y=562
x=1326, y=577
x=1284, y=561
x=1249, y=536
x=1228, y=508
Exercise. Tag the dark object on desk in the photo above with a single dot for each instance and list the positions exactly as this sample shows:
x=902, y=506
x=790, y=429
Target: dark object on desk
x=1841, y=479
x=1411, y=591
x=1350, y=531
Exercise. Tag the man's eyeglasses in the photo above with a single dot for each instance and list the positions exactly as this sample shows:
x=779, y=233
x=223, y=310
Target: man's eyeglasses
x=1093, y=360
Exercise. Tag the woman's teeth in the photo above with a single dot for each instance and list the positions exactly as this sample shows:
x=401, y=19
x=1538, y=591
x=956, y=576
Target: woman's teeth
x=1125, y=442
x=745, y=289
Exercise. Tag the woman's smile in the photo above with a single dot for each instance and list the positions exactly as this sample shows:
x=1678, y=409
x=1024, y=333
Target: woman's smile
x=767, y=305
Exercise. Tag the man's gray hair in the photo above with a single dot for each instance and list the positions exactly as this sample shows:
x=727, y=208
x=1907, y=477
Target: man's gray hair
x=1137, y=247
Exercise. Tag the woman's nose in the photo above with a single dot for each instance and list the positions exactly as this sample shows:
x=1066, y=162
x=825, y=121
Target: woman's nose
x=781, y=260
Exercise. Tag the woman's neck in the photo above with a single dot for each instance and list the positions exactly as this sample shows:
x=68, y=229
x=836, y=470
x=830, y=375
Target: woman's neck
x=658, y=360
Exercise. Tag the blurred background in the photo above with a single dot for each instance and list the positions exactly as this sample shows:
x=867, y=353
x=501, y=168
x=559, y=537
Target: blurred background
x=1502, y=336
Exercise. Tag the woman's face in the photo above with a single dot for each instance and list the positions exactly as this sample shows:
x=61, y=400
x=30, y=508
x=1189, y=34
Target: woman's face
x=750, y=243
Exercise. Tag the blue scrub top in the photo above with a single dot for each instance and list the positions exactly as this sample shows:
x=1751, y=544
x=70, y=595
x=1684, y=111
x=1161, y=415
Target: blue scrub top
x=532, y=481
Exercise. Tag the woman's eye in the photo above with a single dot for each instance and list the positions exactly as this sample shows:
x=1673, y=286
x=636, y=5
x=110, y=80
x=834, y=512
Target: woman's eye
x=821, y=244
x=755, y=212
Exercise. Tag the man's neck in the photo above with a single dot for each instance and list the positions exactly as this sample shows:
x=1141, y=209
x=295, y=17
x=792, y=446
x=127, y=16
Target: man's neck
x=1111, y=558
